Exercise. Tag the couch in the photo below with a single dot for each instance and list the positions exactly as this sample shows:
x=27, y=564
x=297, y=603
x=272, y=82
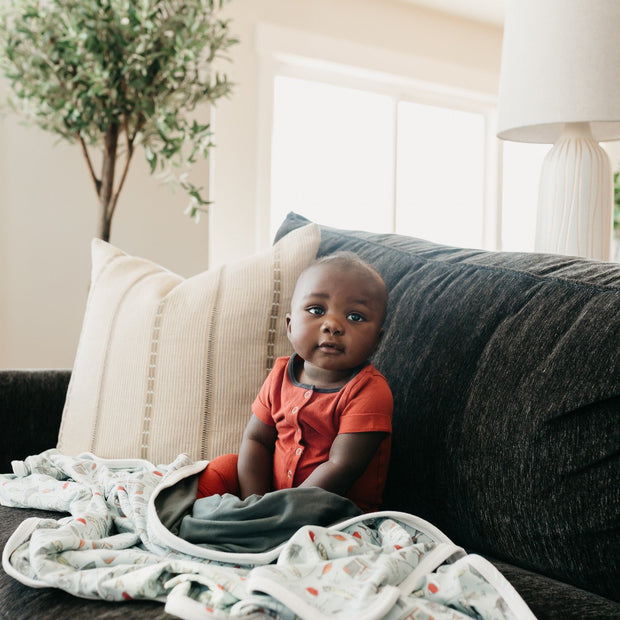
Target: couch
x=505, y=369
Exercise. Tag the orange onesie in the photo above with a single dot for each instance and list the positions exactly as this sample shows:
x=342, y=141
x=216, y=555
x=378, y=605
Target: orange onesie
x=307, y=421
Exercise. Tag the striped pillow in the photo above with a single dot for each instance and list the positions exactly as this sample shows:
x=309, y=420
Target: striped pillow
x=167, y=365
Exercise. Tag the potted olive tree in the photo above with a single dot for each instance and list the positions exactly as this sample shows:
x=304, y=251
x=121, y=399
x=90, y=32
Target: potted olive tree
x=113, y=75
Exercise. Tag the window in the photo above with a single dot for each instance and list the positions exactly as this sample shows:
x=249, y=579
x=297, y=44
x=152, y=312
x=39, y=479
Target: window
x=361, y=149
x=332, y=155
x=521, y=171
x=440, y=174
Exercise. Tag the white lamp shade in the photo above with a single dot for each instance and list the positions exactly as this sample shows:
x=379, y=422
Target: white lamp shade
x=560, y=64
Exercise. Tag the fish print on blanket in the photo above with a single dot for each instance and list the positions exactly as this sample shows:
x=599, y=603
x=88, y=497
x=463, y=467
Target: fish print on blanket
x=112, y=546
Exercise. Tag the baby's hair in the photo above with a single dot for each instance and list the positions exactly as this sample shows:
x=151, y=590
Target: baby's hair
x=345, y=260
x=351, y=261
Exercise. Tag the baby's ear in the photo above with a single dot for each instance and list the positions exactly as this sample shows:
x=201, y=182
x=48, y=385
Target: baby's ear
x=288, y=322
x=379, y=338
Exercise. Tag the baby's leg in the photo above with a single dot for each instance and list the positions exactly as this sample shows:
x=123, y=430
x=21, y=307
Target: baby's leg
x=219, y=477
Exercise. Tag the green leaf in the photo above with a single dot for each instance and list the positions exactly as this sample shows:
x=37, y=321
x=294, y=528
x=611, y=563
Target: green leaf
x=79, y=67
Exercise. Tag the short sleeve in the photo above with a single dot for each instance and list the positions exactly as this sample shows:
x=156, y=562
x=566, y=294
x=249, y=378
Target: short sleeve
x=369, y=405
x=263, y=404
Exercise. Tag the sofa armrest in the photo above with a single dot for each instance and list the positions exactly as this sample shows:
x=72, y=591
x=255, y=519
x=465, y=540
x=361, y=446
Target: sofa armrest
x=31, y=404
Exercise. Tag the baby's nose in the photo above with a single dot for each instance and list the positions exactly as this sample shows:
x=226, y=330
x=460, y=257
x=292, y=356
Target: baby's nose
x=332, y=325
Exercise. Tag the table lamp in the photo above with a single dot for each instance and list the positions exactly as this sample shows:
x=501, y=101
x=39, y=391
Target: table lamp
x=560, y=84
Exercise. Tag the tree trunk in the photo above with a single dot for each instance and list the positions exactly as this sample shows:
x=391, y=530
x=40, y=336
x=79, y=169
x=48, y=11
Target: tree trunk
x=105, y=225
x=107, y=198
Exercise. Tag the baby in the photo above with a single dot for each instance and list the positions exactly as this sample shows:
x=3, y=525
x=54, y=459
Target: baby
x=323, y=417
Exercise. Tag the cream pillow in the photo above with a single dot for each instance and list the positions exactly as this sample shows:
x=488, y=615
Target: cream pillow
x=167, y=365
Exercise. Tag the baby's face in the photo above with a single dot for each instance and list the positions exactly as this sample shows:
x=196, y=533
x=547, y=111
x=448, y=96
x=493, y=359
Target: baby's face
x=336, y=317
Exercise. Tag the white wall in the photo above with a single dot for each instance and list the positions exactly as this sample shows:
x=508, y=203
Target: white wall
x=48, y=208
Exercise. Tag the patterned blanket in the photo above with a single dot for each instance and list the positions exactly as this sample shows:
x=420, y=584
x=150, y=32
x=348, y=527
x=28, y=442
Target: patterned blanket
x=121, y=541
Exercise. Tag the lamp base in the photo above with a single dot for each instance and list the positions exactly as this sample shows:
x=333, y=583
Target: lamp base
x=575, y=202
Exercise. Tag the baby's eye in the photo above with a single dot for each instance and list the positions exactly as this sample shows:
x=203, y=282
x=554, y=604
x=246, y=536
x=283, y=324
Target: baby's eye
x=316, y=310
x=356, y=317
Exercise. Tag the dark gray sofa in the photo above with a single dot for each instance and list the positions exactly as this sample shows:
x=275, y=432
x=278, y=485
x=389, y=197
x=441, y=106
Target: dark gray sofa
x=505, y=370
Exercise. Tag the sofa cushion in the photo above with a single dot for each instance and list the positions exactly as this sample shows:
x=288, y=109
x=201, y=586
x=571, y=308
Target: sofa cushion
x=31, y=404
x=505, y=369
x=167, y=365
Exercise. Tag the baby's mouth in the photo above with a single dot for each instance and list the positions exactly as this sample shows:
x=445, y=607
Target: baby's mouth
x=331, y=347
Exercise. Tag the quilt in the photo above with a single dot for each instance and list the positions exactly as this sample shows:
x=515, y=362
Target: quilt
x=123, y=538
